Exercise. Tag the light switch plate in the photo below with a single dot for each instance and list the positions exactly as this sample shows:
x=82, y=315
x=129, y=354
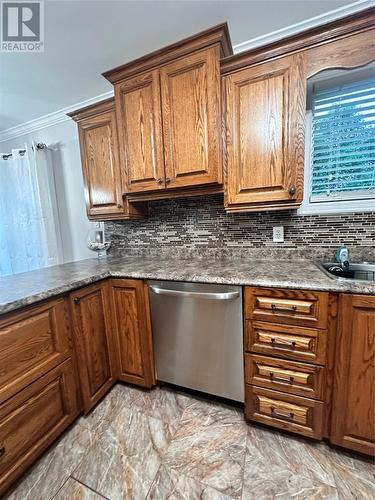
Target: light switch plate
x=278, y=234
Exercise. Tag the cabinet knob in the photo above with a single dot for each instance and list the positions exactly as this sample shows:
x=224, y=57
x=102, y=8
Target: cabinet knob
x=119, y=205
x=292, y=190
x=76, y=300
x=159, y=181
x=167, y=180
x=2, y=450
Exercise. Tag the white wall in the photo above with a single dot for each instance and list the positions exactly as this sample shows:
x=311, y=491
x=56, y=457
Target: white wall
x=66, y=163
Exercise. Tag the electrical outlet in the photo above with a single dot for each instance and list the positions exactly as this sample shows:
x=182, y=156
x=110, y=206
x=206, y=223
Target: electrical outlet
x=278, y=234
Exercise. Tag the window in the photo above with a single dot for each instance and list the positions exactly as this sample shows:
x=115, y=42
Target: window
x=29, y=225
x=340, y=143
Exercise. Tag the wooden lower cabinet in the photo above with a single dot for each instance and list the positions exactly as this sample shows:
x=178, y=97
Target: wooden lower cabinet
x=285, y=356
x=301, y=379
x=95, y=342
x=131, y=316
x=353, y=405
x=32, y=419
x=292, y=413
x=32, y=341
x=112, y=331
x=48, y=375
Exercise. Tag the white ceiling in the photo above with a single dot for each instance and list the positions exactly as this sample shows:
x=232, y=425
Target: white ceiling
x=86, y=37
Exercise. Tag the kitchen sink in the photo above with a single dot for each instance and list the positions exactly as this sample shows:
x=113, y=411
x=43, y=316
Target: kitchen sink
x=363, y=271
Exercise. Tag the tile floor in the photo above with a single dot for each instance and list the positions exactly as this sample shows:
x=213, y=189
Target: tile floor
x=168, y=445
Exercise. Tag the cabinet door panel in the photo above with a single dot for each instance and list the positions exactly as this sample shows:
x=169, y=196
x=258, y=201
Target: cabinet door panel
x=190, y=90
x=293, y=413
x=265, y=108
x=353, y=407
x=139, y=125
x=133, y=326
x=31, y=343
x=95, y=342
x=32, y=419
x=101, y=167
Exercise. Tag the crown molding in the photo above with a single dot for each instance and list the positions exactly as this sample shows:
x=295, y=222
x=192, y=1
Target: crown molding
x=50, y=119
x=61, y=115
x=294, y=29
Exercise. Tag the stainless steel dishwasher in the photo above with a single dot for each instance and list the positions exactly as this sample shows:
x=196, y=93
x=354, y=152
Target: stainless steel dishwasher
x=198, y=340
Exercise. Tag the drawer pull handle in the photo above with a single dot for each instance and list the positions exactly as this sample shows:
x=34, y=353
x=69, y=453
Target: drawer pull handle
x=274, y=307
x=292, y=344
x=275, y=414
x=277, y=379
x=2, y=451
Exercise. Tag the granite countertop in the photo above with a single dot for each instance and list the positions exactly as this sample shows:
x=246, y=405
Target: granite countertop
x=27, y=288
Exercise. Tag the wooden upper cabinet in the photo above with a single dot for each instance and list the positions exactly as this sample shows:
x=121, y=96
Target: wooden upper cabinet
x=169, y=117
x=353, y=406
x=140, y=130
x=264, y=125
x=190, y=90
x=101, y=164
x=95, y=342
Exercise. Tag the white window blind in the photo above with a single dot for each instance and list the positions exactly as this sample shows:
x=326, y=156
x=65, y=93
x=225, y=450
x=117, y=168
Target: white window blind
x=343, y=140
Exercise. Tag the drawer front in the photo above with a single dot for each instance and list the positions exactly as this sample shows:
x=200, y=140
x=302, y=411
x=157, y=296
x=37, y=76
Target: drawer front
x=292, y=413
x=31, y=343
x=291, y=342
x=284, y=376
x=32, y=419
x=293, y=307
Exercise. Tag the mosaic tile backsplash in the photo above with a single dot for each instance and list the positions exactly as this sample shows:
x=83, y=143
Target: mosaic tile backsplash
x=201, y=226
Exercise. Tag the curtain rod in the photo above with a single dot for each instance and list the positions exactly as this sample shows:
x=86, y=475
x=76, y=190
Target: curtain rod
x=38, y=146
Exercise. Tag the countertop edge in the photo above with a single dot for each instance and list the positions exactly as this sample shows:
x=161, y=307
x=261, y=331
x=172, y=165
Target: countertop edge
x=332, y=287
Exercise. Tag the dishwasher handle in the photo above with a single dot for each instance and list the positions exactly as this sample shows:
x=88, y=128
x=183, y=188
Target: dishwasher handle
x=195, y=295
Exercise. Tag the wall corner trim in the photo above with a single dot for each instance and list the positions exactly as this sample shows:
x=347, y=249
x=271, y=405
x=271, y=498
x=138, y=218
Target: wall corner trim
x=50, y=119
x=294, y=29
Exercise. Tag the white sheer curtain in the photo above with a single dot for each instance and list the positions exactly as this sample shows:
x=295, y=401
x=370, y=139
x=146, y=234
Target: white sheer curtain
x=29, y=228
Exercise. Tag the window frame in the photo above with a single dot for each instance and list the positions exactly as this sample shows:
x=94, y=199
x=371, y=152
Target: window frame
x=362, y=203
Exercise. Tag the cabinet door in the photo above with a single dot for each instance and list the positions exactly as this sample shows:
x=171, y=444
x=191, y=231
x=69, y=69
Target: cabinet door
x=95, y=342
x=101, y=165
x=32, y=342
x=139, y=125
x=190, y=89
x=32, y=419
x=353, y=407
x=131, y=313
x=265, y=107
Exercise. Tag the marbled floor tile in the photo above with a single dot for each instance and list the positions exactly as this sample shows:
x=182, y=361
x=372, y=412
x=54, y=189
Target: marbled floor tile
x=120, y=396
x=124, y=459
x=73, y=490
x=164, y=403
x=209, y=446
x=354, y=475
x=281, y=466
x=51, y=471
x=171, y=485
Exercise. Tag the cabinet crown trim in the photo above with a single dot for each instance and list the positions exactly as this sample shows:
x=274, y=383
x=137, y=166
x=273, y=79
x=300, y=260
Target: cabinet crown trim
x=93, y=110
x=348, y=25
x=218, y=34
